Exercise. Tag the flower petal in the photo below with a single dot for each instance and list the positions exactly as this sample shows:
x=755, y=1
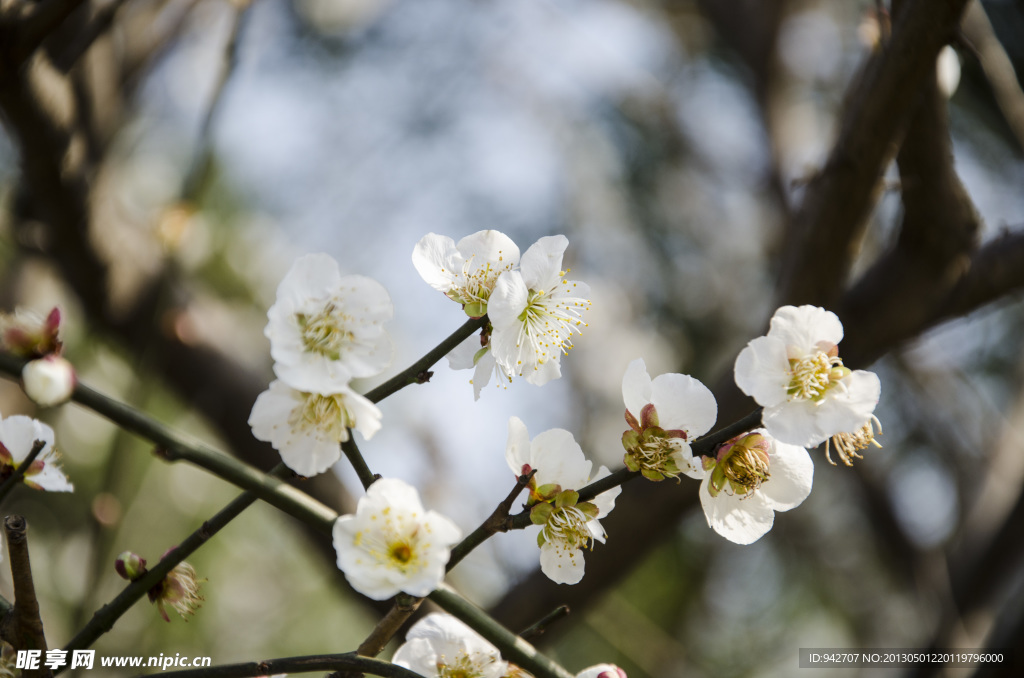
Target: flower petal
x=636, y=387
x=792, y=475
x=437, y=261
x=762, y=371
x=563, y=564
x=542, y=262
x=559, y=459
x=489, y=246
x=683, y=403
x=605, y=501
x=742, y=520
x=517, y=449
x=805, y=326
x=507, y=301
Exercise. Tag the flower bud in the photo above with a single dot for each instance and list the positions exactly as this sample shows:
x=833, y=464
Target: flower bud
x=26, y=334
x=130, y=566
x=49, y=380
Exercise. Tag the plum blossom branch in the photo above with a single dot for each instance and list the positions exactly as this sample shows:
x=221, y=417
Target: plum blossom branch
x=174, y=447
x=19, y=473
x=349, y=661
x=415, y=373
x=700, y=447
x=512, y=647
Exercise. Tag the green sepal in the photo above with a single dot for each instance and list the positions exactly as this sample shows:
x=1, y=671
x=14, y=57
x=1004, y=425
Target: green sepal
x=541, y=540
x=540, y=514
x=546, y=492
x=651, y=474
x=475, y=309
x=718, y=481
x=480, y=354
x=588, y=509
x=630, y=440
x=631, y=463
x=632, y=421
x=567, y=498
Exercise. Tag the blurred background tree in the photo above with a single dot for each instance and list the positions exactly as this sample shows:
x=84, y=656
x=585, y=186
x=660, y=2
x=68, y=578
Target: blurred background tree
x=166, y=160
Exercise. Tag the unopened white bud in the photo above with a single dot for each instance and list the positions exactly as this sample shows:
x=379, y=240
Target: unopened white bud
x=49, y=381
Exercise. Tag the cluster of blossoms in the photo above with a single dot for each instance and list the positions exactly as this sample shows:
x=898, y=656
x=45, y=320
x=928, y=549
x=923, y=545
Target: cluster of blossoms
x=441, y=646
x=533, y=310
x=568, y=525
x=48, y=379
x=325, y=329
x=808, y=396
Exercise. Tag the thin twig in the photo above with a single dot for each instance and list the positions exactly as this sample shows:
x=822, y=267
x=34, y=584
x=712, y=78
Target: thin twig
x=416, y=373
x=19, y=473
x=498, y=521
x=326, y=662
x=403, y=608
x=355, y=457
x=538, y=628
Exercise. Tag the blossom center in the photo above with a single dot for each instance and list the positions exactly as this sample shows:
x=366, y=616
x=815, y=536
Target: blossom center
x=463, y=667
x=569, y=526
x=324, y=332
x=813, y=375
x=743, y=465
x=401, y=553
x=479, y=282
x=549, y=320
x=321, y=412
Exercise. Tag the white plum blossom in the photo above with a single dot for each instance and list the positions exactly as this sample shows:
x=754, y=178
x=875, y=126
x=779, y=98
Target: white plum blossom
x=535, y=311
x=664, y=415
x=49, y=380
x=796, y=374
x=326, y=329
x=18, y=435
x=392, y=544
x=465, y=272
x=308, y=427
x=567, y=525
x=441, y=646
x=602, y=671
x=750, y=478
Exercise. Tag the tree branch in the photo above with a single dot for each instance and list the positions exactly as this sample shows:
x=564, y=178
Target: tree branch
x=825, y=229
x=327, y=662
x=24, y=630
